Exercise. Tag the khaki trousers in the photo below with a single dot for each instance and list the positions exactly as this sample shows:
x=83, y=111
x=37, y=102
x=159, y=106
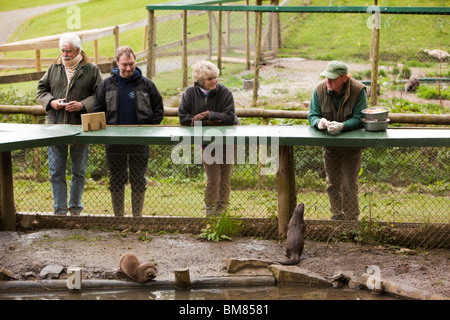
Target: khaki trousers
x=217, y=190
x=342, y=166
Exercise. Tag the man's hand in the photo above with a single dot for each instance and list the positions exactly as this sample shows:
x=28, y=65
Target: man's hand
x=73, y=106
x=335, y=127
x=58, y=104
x=323, y=123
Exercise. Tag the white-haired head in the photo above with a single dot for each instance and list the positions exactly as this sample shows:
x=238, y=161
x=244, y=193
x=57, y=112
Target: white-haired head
x=203, y=70
x=70, y=39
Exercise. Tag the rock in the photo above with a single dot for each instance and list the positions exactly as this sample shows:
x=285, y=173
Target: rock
x=30, y=275
x=438, y=54
x=295, y=274
x=234, y=265
x=51, y=272
x=6, y=274
x=345, y=278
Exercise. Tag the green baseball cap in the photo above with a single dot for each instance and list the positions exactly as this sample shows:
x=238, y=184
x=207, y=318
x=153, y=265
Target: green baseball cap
x=335, y=69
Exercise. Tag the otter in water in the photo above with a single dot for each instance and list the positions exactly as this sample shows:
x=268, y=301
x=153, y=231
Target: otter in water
x=295, y=236
x=130, y=265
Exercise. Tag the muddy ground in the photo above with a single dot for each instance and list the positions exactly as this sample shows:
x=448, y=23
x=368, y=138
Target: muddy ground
x=98, y=253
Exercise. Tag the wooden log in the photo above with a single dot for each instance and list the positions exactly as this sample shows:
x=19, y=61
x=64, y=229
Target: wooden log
x=182, y=278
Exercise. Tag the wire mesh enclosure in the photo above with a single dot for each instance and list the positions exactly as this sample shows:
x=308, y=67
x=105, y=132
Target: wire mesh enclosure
x=398, y=187
x=294, y=39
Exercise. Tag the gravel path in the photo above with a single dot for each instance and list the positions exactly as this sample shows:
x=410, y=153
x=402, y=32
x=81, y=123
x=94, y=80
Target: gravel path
x=11, y=20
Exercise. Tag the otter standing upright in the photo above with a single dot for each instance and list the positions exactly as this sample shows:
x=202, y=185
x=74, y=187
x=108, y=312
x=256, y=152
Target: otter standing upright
x=295, y=236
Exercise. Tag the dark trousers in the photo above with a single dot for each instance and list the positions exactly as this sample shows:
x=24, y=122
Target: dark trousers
x=127, y=163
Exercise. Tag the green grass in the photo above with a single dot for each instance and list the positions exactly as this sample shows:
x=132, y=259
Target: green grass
x=347, y=37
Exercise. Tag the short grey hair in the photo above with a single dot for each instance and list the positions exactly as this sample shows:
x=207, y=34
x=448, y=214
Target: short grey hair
x=70, y=38
x=203, y=70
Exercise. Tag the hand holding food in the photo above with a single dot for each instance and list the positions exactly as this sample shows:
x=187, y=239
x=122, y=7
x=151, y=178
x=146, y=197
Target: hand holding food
x=335, y=127
x=323, y=123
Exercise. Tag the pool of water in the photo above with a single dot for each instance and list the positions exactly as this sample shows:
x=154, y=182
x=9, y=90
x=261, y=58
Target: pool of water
x=278, y=292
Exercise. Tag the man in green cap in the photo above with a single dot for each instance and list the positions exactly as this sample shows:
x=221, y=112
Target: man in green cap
x=336, y=107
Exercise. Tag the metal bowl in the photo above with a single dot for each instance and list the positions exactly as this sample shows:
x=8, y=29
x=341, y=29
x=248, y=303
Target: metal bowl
x=376, y=113
x=375, y=125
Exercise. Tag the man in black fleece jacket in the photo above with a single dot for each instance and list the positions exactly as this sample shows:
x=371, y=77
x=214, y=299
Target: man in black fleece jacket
x=128, y=98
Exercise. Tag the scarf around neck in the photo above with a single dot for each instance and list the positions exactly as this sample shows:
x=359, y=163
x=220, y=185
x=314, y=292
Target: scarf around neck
x=71, y=66
x=205, y=92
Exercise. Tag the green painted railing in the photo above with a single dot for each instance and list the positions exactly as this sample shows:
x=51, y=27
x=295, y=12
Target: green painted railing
x=208, y=5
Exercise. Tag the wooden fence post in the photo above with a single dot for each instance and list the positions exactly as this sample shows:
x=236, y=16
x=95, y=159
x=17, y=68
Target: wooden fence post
x=96, y=51
x=210, y=24
x=247, y=38
x=286, y=188
x=151, y=37
x=275, y=29
x=38, y=60
x=227, y=30
x=375, y=50
x=144, y=41
x=184, y=51
x=258, y=30
x=7, y=208
x=116, y=37
x=219, y=42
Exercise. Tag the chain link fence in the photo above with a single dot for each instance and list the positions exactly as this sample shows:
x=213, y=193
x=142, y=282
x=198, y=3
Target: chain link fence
x=295, y=47
x=403, y=191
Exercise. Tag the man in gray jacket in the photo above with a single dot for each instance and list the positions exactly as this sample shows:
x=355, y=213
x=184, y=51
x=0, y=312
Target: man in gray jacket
x=66, y=91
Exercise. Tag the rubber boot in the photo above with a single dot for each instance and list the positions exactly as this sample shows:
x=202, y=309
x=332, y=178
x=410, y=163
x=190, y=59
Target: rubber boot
x=118, y=199
x=137, y=203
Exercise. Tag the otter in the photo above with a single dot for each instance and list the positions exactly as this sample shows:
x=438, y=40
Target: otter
x=295, y=236
x=130, y=265
x=412, y=84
